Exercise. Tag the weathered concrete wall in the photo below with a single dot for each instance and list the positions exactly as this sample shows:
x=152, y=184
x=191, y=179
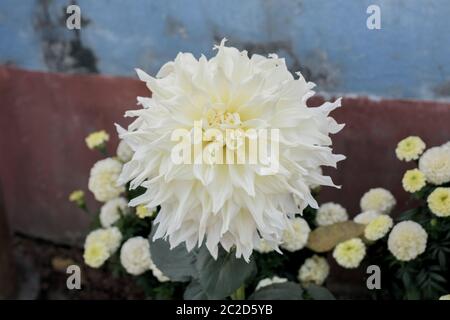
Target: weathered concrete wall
x=327, y=39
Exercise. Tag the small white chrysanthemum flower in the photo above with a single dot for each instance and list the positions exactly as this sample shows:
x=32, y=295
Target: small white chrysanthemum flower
x=110, y=237
x=439, y=202
x=378, y=199
x=95, y=254
x=124, y=152
x=233, y=205
x=158, y=273
x=435, y=164
x=296, y=237
x=135, y=255
x=378, y=227
x=111, y=211
x=445, y=297
x=97, y=139
x=407, y=240
x=350, y=253
x=330, y=213
x=143, y=212
x=413, y=180
x=264, y=247
x=314, y=270
x=269, y=281
x=366, y=217
x=103, y=179
x=410, y=148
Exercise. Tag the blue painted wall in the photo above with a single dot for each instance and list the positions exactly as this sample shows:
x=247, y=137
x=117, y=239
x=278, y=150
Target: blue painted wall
x=327, y=39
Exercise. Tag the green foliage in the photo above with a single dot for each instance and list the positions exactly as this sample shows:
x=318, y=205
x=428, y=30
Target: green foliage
x=159, y=291
x=194, y=291
x=427, y=276
x=178, y=264
x=279, y=291
x=315, y=292
x=220, y=277
x=132, y=226
x=133, y=193
x=209, y=278
x=95, y=222
x=269, y=264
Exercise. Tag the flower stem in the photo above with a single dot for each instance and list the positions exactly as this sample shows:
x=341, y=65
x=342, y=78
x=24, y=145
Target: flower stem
x=239, y=294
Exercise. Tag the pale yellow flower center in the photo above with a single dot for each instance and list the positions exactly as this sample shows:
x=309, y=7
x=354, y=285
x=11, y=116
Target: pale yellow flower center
x=220, y=119
x=230, y=126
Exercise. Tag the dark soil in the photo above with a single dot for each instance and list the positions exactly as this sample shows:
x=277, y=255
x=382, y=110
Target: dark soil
x=46, y=267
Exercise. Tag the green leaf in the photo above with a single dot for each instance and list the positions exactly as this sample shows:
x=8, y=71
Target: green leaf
x=319, y=293
x=220, y=278
x=421, y=278
x=442, y=260
x=178, y=264
x=437, y=277
x=406, y=278
x=437, y=287
x=95, y=222
x=412, y=293
x=194, y=291
x=408, y=215
x=279, y=291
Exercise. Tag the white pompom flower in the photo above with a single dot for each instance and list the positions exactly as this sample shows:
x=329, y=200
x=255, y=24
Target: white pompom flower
x=112, y=210
x=265, y=247
x=296, y=236
x=435, y=165
x=378, y=199
x=350, y=253
x=103, y=179
x=158, y=273
x=314, y=270
x=95, y=254
x=378, y=227
x=407, y=240
x=124, y=152
x=100, y=244
x=330, y=213
x=366, y=217
x=269, y=281
x=410, y=148
x=110, y=237
x=439, y=202
x=135, y=256
x=229, y=203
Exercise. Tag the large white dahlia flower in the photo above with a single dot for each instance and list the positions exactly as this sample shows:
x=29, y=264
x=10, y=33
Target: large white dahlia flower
x=231, y=204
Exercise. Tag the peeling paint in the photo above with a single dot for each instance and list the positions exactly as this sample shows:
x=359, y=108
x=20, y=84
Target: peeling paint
x=62, y=52
x=317, y=68
x=174, y=27
x=328, y=41
x=442, y=90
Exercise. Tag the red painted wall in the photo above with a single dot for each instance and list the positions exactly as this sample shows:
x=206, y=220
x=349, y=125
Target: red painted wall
x=45, y=117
